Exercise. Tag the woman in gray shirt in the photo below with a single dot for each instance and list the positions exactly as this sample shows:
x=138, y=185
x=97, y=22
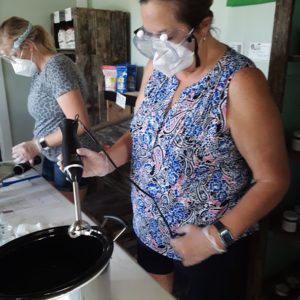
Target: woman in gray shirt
x=57, y=92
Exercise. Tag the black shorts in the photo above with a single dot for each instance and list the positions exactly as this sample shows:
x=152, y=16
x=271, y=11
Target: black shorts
x=220, y=277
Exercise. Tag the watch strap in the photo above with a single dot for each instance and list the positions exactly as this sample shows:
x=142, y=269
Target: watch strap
x=224, y=234
x=43, y=143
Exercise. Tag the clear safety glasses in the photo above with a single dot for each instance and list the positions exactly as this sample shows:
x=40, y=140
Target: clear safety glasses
x=148, y=43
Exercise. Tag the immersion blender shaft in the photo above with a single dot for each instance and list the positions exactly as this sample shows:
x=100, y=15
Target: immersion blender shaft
x=76, y=201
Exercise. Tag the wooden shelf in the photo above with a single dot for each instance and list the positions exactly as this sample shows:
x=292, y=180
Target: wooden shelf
x=289, y=237
x=130, y=97
x=280, y=277
x=66, y=51
x=294, y=58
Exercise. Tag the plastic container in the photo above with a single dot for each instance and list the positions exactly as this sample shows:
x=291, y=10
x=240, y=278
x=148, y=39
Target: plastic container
x=126, y=78
x=122, y=74
x=282, y=290
x=110, y=77
x=131, y=78
x=290, y=221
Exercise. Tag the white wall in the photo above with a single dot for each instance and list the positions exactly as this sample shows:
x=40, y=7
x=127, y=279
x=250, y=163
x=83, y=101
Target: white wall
x=136, y=22
x=252, y=23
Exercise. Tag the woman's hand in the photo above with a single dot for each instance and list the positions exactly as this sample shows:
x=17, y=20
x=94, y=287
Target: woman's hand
x=194, y=247
x=94, y=163
x=25, y=151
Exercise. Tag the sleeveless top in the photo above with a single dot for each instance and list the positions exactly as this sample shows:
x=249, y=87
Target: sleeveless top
x=185, y=157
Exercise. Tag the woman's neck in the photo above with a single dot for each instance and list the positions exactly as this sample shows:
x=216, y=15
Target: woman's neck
x=210, y=51
x=42, y=58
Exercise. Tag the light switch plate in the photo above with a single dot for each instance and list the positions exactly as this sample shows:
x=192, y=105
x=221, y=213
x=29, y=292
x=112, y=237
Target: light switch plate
x=237, y=46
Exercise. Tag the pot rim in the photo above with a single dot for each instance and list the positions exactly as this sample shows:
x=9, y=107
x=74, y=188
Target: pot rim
x=74, y=283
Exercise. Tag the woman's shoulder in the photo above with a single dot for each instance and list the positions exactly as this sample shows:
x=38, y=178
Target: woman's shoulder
x=60, y=67
x=242, y=67
x=58, y=61
x=236, y=61
x=60, y=57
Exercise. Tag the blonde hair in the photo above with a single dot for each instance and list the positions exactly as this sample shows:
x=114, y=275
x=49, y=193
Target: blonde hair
x=12, y=28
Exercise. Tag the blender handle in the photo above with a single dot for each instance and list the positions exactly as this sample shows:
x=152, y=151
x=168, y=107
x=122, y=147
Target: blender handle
x=119, y=220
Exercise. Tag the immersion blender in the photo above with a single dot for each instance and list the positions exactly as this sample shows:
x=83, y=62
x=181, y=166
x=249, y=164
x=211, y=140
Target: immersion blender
x=73, y=169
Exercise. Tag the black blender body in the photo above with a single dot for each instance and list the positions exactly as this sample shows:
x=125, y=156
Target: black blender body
x=73, y=167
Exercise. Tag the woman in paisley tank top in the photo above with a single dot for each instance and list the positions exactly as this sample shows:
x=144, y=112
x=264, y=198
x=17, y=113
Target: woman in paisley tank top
x=207, y=152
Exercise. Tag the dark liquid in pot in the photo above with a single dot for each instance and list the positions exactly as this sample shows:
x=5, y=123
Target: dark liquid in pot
x=49, y=264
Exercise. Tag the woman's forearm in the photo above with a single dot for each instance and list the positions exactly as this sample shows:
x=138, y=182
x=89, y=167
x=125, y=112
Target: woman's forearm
x=120, y=152
x=254, y=205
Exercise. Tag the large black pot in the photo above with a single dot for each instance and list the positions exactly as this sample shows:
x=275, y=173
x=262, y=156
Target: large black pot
x=49, y=264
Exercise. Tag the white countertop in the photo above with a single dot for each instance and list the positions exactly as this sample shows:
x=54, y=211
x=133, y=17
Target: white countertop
x=36, y=201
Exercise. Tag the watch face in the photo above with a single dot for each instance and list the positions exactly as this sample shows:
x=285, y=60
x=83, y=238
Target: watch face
x=224, y=233
x=43, y=143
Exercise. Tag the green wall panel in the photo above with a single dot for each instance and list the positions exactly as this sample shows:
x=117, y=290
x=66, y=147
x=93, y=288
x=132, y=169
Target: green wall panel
x=246, y=2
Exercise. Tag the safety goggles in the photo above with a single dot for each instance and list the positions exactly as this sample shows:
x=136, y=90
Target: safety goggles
x=16, y=45
x=148, y=43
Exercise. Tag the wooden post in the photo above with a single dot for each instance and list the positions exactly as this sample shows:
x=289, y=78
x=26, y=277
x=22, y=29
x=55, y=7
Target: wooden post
x=280, y=48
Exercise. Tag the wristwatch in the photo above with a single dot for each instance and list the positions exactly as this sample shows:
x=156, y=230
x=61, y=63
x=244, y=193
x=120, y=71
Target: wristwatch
x=224, y=233
x=43, y=143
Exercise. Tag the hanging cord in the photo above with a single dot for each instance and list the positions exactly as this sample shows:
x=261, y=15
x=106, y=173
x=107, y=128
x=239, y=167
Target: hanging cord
x=129, y=179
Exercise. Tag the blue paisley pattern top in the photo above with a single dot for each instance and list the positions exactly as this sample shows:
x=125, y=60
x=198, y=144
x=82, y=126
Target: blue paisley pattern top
x=185, y=157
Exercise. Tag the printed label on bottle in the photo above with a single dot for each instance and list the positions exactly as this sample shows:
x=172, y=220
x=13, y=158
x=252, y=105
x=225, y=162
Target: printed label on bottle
x=70, y=38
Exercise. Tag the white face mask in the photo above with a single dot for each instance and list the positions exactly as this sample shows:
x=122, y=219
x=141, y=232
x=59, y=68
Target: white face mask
x=24, y=67
x=173, y=58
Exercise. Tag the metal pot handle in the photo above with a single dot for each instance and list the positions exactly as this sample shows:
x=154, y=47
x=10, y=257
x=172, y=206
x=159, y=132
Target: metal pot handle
x=119, y=220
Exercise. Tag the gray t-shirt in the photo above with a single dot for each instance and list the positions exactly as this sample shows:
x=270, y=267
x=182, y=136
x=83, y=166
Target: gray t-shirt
x=59, y=76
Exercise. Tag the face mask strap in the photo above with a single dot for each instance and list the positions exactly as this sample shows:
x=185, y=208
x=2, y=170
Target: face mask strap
x=21, y=54
x=17, y=44
x=190, y=36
